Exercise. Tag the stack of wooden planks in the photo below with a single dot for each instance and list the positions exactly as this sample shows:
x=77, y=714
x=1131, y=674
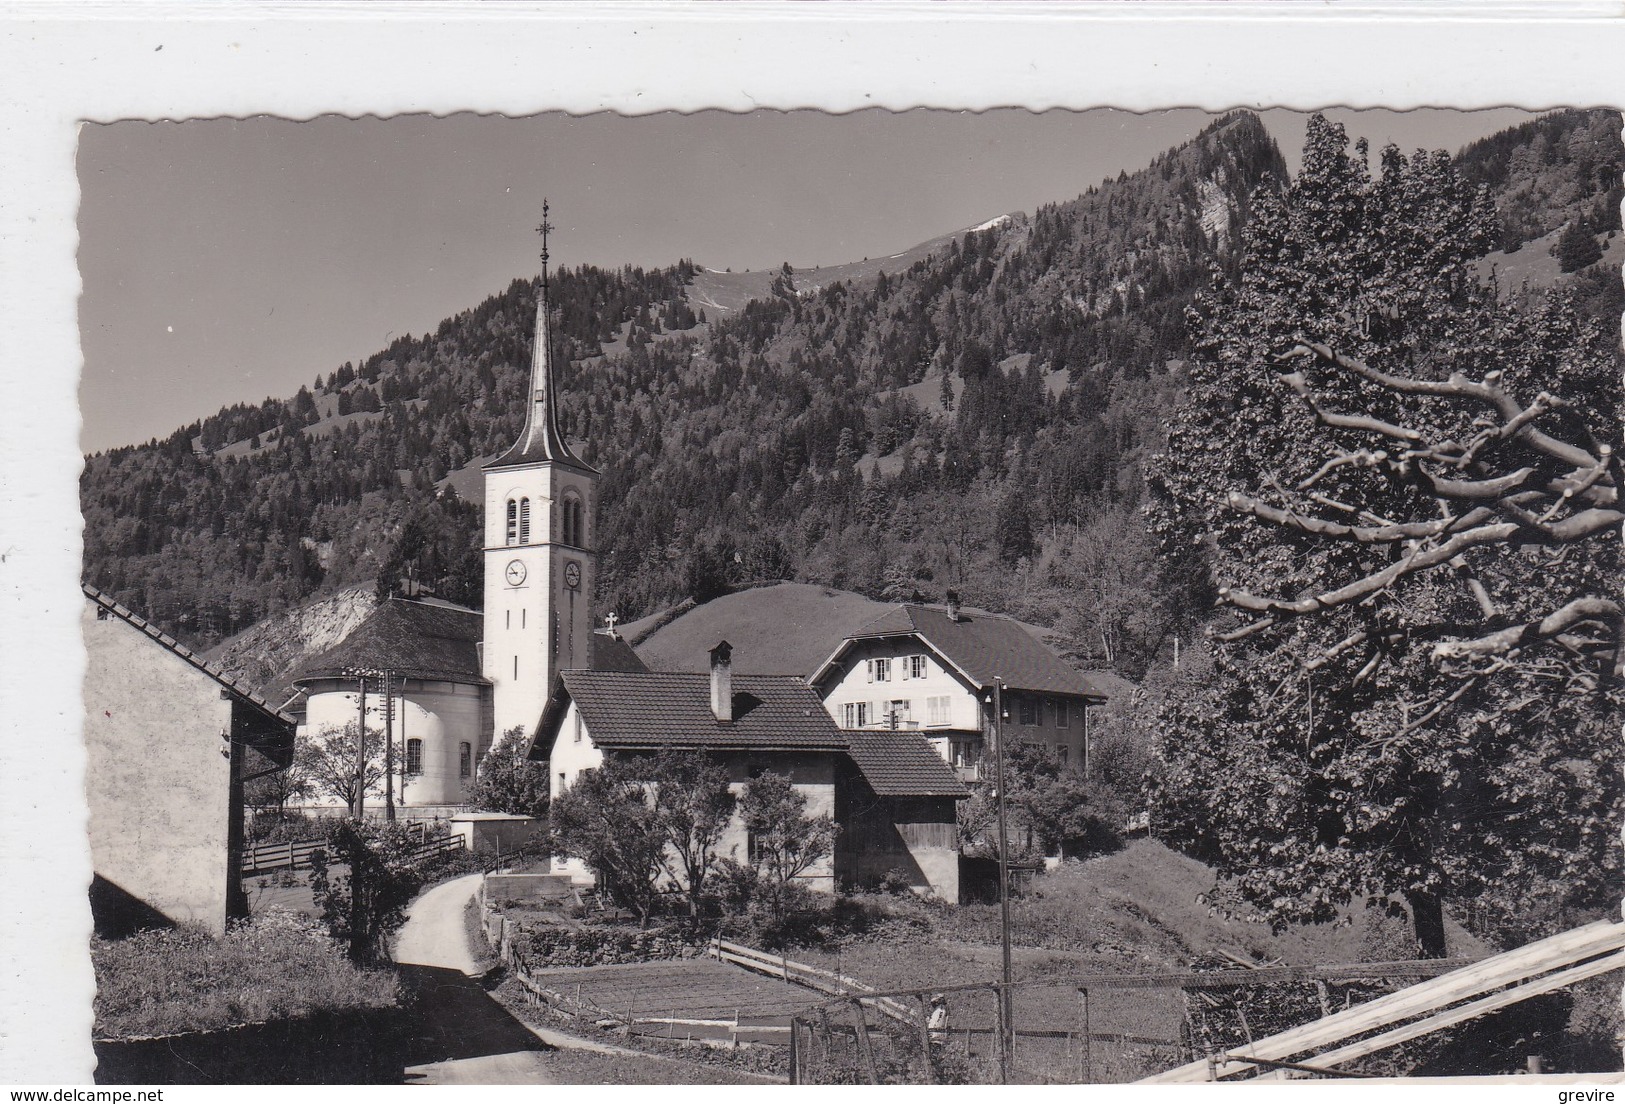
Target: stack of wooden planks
x=1441, y=1002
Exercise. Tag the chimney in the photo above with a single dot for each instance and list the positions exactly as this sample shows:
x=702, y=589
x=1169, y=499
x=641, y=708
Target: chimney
x=722, y=682
x=953, y=605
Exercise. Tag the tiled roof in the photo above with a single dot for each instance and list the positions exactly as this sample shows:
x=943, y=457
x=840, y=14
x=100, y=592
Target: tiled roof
x=983, y=646
x=655, y=708
x=613, y=653
x=901, y=764
x=409, y=639
x=237, y=689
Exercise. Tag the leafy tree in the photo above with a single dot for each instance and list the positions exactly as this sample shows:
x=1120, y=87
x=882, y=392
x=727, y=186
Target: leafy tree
x=693, y=806
x=1576, y=247
x=785, y=841
x=608, y=820
x=508, y=781
x=1053, y=809
x=325, y=764
x=362, y=882
x=1408, y=493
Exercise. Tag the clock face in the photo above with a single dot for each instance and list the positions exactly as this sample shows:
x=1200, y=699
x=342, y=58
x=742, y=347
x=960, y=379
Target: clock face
x=516, y=572
x=572, y=575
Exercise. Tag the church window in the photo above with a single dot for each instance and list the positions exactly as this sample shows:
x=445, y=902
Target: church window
x=570, y=520
x=524, y=521
x=513, y=522
x=516, y=668
x=414, y=757
x=938, y=711
x=465, y=759
x=508, y=619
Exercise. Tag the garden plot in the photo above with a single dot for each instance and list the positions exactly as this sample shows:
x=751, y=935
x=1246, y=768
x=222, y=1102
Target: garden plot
x=698, y=989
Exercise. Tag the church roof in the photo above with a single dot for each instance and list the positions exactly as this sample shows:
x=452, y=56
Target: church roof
x=981, y=646
x=613, y=653
x=540, y=442
x=901, y=764
x=409, y=639
x=652, y=709
x=272, y=714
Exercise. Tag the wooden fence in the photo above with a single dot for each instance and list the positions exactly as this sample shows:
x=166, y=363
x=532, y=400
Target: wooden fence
x=837, y=985
x=268, y=858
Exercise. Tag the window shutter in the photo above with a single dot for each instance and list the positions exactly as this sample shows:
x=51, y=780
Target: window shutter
x=908, y=661
x=869, y=668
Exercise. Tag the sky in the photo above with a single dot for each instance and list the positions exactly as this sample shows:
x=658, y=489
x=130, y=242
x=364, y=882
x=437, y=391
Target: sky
x=226, y=261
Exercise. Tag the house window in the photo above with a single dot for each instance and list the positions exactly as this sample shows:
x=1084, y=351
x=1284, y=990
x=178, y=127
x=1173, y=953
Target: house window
x=854, y=714
x=879, y=670
x=513, y=521
x=1063, y=713
x=578, y=728
x=1027, y=710
x=524, y=521
x=915, y=667
x=898, y=712
x=938, y=711
x=964, y=753
x=414, y=757
x=561, y=781
x=465, y=759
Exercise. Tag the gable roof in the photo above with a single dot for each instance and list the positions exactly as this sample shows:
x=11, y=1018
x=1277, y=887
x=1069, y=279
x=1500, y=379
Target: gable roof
x=901, y=764
x=412, y=639
x=274, y=716
x=982, y=647
x=651, y=709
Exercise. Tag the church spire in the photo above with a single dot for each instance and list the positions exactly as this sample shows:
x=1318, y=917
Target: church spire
x=540, y=441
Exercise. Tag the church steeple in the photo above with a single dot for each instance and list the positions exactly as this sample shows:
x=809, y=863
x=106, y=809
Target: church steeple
x=540, y=442
x=540, y=566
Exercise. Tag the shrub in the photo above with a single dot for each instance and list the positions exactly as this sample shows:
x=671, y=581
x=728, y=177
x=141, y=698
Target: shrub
x=277, y=966
x=363, y=905
x=594, y=945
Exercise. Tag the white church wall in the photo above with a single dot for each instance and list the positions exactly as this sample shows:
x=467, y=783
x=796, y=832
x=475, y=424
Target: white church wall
x=443, y=715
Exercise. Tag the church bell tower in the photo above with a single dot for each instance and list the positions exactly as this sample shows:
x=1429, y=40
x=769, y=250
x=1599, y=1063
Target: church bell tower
x=539, y=563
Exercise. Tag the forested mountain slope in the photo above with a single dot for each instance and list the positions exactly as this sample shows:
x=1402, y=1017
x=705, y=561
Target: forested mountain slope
x=976, y=419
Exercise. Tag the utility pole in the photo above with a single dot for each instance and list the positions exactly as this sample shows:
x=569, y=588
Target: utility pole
x=389, y=746
x=360, y=806
x=1004, y=880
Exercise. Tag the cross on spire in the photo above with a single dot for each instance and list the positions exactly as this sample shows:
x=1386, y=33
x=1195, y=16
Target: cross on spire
x=544, y=229
x=609, y=619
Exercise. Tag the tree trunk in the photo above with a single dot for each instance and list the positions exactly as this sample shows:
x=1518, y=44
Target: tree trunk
x=1427, y=921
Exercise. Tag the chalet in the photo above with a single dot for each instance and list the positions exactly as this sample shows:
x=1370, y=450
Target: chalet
x=893, y=799
x=169, y=741
x=933, y=672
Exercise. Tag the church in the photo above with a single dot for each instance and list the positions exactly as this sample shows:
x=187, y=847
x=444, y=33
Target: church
x=445, y=682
